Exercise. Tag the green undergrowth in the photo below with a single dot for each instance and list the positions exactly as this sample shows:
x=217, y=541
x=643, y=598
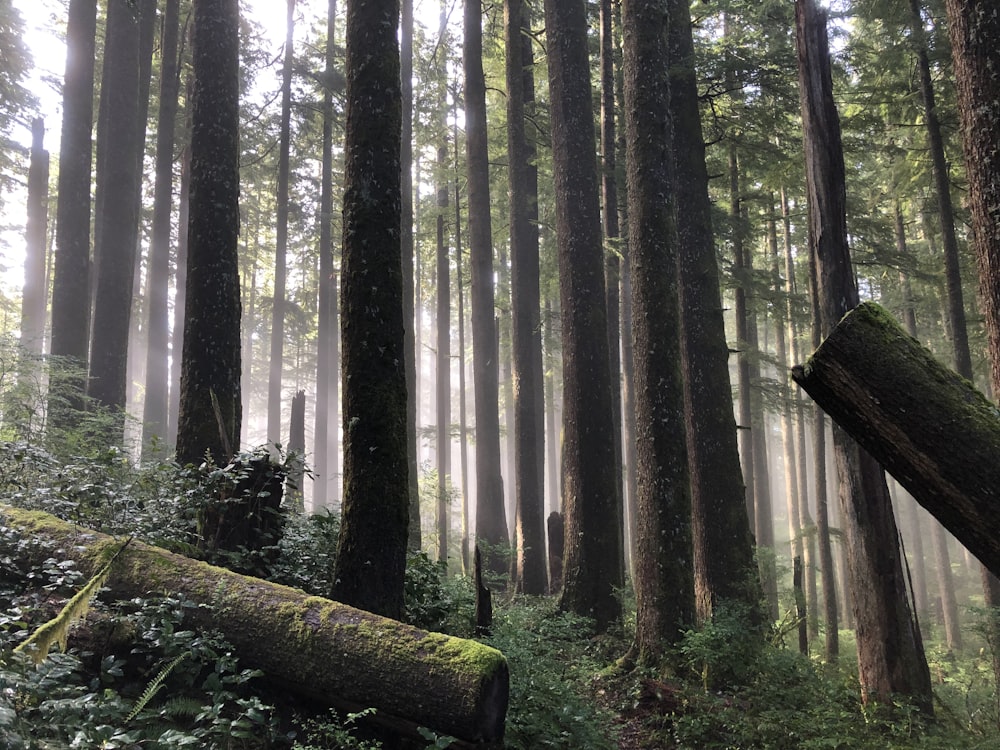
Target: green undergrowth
x=136, y=676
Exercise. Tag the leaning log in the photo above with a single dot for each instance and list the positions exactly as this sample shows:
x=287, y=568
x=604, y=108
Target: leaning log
x=321, y=649
x=928, y=427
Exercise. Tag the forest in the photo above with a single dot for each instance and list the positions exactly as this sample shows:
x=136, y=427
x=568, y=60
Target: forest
x=572, y=374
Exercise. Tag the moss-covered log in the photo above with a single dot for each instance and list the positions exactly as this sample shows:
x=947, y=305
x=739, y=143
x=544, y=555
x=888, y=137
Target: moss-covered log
x=928, y=427
x=345, y=657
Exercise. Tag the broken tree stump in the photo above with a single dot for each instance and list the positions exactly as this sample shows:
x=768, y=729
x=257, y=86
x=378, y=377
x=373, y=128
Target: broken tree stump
x=928, y=427
x=315, y=647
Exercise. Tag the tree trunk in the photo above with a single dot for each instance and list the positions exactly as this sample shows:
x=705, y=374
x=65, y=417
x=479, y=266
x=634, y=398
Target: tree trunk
x=371, y=551
x=592, y=569
x=974, y=28
x=724, y=567
x=927, y=425
x=276, y=359
x=210, y=413
x=890, y=652
x=664, y=579
x=180, y=287
x=526, y=328
x=945, y=213
x=325, y=445
x=491, y=516
x=610, y=217
x=463, y=425
x=297, y=450
x=155, y=405
x=119, y=182
x=410, y=312
x=34, y=294
x=316, y=648
x=443, y=370
x=71, y=272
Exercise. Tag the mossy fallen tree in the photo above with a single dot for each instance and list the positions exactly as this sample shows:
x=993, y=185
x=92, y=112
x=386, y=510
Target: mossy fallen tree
x=314, y=647
x=928, y=427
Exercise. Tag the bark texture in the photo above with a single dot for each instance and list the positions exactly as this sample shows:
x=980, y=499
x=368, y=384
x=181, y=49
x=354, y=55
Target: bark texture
x=928, y=426
x=371, y=552
x=724, y=567
x=890, y=651
x=71, y=271
x=526, y=326
x=34, y=293
x=491, y=515
x=317, y=648
x=209, y=413
x=664, y=570
x=593, y=562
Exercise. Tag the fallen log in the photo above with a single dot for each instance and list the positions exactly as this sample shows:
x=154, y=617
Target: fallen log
x=928, y=427
x=315, y=647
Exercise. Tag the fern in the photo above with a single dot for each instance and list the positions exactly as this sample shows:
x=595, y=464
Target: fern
x=56, y=630
x=153, y=687
x=182, y=707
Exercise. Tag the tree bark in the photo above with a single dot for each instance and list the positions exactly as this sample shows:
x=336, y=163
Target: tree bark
x=491, y=515
x=325, y=440
x=34, y=293
x=890, y=652
x=526, y=327
x=413, y=540
x=974, y=28
x=71, y=272
x=315, y=647
x=276, y=359
x=210, y=412
x=155, y=404
x=593, y=562
x=443, y=369
x=371, y=551
x=928, y=426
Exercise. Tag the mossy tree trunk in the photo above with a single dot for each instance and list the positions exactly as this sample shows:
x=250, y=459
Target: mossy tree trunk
x=924, y=423
x=314, y=647
x=371, y=552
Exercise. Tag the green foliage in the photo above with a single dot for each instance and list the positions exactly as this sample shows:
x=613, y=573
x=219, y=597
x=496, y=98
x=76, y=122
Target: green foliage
x=433, y=600
x=552, y=658
x=333, y=732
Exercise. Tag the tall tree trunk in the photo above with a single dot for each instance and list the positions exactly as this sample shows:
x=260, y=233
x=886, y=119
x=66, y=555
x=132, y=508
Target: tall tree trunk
x=34, y=293
x=180, y=287
x=371, y=550
x=463, y=426
x=296, y=450
x=724, y=568
x=529, y=432
x=942, y=190
x=664, y=581
x=974, y=27
x=325, y=445
x=119, y=179
x=276, y=360
x=407, y=247
x=209, y=411
x=593, y=555
x=890, y=652
x=612, y=265
x=443, y=379
x=827, y=571
x=491, y=517
x=71, y=272
x=155, y=406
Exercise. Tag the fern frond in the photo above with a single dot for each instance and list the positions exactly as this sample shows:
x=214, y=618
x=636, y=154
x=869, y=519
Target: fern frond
x=153, y=687
x=56, y=630
x=182, y=707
